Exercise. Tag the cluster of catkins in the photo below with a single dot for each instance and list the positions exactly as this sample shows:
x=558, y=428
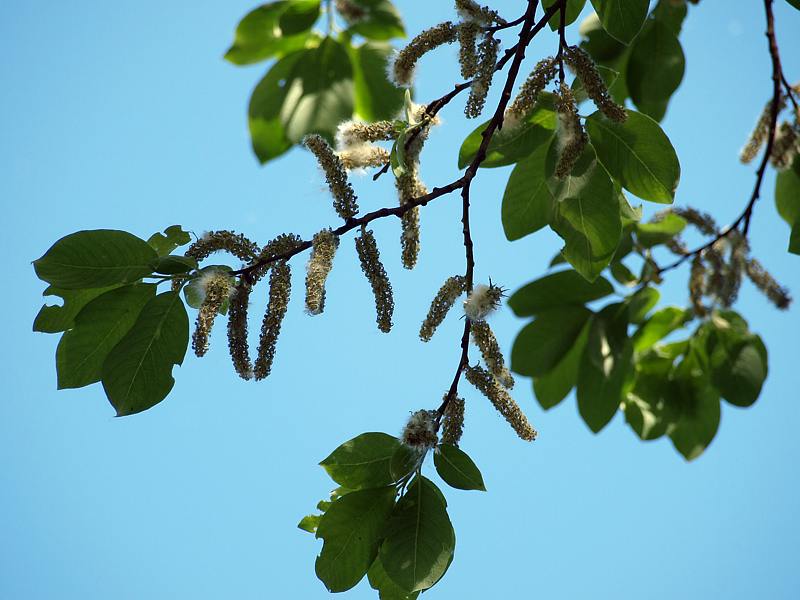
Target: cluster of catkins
x=785, y=144
x=495, y=379
x=478, y=51
x=717, y=271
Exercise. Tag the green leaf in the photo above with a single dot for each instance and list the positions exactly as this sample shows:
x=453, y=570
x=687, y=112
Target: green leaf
x=671, y=14
x=794, y=239
x=387, y=589
x=659, y=232
x=405, y=461
x=512, y=144
x=381, y=21
x=138, y=371
x=309, y=523
x=53, y=319
x=605, y=367
x=319, y=92
x=527, y=201
x=587, y=215
x=795, y=3
x=352, y=529
x=99, y=327
x=363, y=462
x=655, y=66
x=600, y=46
x=299, y=16
x=650, y=406
x=456, y=468
x=658, y=326
x=96, y=258
x=739, y=363
x=174, y=264
x=787, y=194
x=376, y=98
x=550, y=389
x=420, y=540
x=622, y=19
x=641, y=302
x=638, y=154
x=622, y=274
x=267, y=132
x=574, y=8
x=259, y=36
x=194, y=292
x=699, y=410
x=556, y=290
x=173, y=237
x=542, y=344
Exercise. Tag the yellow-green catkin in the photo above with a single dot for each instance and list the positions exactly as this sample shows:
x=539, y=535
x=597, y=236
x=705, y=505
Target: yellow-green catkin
x=238, y=346
x=571, y=137
x=216, y=286
x=488, y=385
x=697, y=277
x=362, y=156
x=593, y=83
x=525, y=101
x=767, y=284
x=703, y=221
x=401, y=68
x=320, y=263
x=487, y=59
x=344, y=198
x=760, y=133
x=280, y=287
x=444, y=300
x=353, y=133
x=368, y=254
x=785, y=147
x=409, y=238
x=453, y=421
x=467, y=48
x=471, y=11
x=731, y=280
x=214, y=241
x=486, y=342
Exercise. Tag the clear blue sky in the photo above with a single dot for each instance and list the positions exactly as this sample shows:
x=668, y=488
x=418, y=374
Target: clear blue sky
x=123, y=115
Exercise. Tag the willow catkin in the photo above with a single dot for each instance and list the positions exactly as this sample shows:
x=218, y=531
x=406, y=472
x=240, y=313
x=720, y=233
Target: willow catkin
x=767, y=284
x=361, y=156
x=703, y=221
x=420, y=431
x=488, y=385
x=697, y=277
x=238, y=346
x=353, y=133
x=785, y=146
x=482, y=301
x=368, y=254
x=444, y=300
x=280, y=286
x=571, y=137
x=760, y=132
x=214, y=241
x=471, y=11
x=593, y=83
x=401, y=68
x=467, y=48
x=486, y=342
x=320, y=263
x=487, y=59
x=453, y=421
x=525, y=100
x=344, y=198
x=216, y=286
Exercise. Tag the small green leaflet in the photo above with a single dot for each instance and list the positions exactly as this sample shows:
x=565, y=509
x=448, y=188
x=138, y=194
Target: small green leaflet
x=456, y=468
x=363, y=462
x=173, y=237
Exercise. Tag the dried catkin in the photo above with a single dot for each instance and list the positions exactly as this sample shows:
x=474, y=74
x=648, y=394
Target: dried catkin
x=697, y=278
x=486, y=383
x=525, y=101
x=471, y=11
x=482, y=301
x=216, y=286
x=368, y=254
x=467, y=48
x=361, y=156
x=401, y=68
x=760, y=132
x=280, y=286
x=238, y=346
x=420, y=431
x=593, y=83
x=447, y=295
x=487, y=58
x=785, y=146
x=353, y=133
x=766, y=283
x=350, y=11
x=344, y=198
x=486, y=342
x=703, y=221
x=409, y=239
x=213, y=241
x=571, y=137
x=320, y=263
x=453, y=421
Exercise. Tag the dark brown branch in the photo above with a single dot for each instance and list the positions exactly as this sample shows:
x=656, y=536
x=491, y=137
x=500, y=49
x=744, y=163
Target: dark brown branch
x=743, y=219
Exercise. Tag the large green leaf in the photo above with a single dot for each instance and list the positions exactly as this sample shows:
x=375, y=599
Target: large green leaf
x=456, y=468
x=376, y=98
x=587, y=214
x=138, y=371
x=527, y=201
x=787, y=194
x=647, y=407
x=661, y=231
x=794, y=239
x=551, y=388
x=387, y=589
x=363, y=462
x=99, y=327
x=699, y=409
x=601, y=46
x=659, y=325
x=622, y=19
x=605, y=367
x=53, y=319
x=655, y=66
x=542, y=344
x=352, y=529
x=381, y=21
x=259, y=36
x=795, y=3
x=739, y=363
x=512, y=144
x=95, y=258
x=420, y=540
x=299, y=16
x=556, y=290
x=638, y=154
x=319, y=92
x=642, y=302
x=574, y=8
x=671, y=14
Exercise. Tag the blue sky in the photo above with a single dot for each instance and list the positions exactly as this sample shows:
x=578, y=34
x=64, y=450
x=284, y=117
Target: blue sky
x=123, y=115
